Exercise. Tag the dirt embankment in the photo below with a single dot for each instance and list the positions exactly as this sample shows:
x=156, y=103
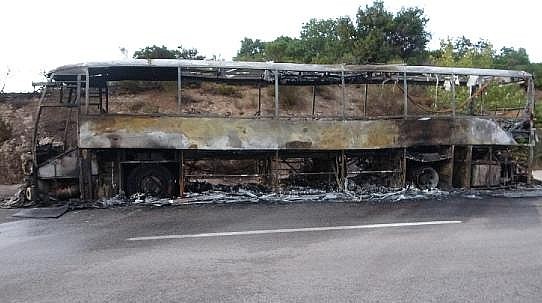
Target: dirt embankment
x=16, y=110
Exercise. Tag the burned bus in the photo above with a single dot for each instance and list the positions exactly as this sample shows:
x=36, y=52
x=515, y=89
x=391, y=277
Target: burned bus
x=163, y=127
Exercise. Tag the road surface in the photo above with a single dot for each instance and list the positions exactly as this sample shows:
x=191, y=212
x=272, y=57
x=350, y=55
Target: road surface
x=456, y=250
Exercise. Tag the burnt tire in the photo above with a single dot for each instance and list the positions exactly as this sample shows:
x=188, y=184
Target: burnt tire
x=152, y=180
x=426, y=178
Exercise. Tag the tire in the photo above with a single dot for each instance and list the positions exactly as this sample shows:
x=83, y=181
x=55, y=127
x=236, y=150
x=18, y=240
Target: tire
x=426, y=178
x=153, y=180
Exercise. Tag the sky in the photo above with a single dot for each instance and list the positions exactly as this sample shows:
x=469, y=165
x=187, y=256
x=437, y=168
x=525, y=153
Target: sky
x=37, y=36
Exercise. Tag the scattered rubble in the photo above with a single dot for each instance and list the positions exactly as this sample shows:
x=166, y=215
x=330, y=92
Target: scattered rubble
x=222, y=194
x=292, y=195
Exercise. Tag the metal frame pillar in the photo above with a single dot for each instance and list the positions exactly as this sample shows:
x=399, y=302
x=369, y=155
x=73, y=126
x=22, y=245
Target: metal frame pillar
x=179, y=89
x=276, y=94
x=405, y=95
x=87, y=90
x=453, y=95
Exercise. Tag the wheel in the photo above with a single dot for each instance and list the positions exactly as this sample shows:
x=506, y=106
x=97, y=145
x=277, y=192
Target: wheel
x=426, y=178
x=28, y=193
x=153, y=180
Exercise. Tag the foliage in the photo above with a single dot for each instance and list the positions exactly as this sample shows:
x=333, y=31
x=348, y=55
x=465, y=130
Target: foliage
x=223, y=90
x=228, y=90
x=503, y=96
x=377, y=36
x=409, y=36
x=461, y=52
x=143, y=107
x=289, y=96
x=382, y=37
x=511, y=58
x=327, y=40
x=536, y=70
x=162, y=52
x=251, y=50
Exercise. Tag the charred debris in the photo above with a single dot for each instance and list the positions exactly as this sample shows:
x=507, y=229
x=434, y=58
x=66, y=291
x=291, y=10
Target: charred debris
x=269, y=130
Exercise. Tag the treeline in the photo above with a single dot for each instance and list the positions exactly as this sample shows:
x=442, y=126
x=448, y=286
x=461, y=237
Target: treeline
x=380, y=36
x=375, y=36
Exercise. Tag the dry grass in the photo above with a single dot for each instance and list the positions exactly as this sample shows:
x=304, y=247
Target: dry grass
x=222, y=90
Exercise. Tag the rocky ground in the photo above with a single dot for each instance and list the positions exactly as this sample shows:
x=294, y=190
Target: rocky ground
x=18, y=114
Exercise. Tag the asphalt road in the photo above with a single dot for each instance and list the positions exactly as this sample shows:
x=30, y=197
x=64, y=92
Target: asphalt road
x=486, y=251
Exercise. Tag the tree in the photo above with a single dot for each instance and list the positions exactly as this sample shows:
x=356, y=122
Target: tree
x=409, y=36
x=284, y=49
x=374, y=26
x=508, y=57
x=377, y=36
x=346, y=32
x=162, y=52
x=327, y=40
x=383, y=36
x=251, y=50
x=461, y=52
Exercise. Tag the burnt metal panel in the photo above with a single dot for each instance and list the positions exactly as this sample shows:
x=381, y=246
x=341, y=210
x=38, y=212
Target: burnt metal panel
x=134, y=64
x=486, y=175
x=176, y=132
x=65, y=166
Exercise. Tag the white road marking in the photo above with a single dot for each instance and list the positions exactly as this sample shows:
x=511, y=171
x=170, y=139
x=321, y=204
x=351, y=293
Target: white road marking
x=290, y=230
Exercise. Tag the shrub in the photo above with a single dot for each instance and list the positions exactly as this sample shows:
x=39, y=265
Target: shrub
x=134, y=86
x=327, y=92
x=289, y=96
x=229, y=90
x=5, y=131
x=223, y=90
x=142, y=107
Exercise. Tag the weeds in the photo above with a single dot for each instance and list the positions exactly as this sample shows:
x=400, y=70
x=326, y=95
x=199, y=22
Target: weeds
x=142, y=107
x=223, y=90
x=289, y=96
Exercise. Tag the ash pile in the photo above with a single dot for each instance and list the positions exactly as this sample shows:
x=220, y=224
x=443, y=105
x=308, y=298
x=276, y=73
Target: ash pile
x=253, y=193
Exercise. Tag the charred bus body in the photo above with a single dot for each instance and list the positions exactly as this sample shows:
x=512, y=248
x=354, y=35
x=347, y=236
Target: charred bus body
x=389, y=125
